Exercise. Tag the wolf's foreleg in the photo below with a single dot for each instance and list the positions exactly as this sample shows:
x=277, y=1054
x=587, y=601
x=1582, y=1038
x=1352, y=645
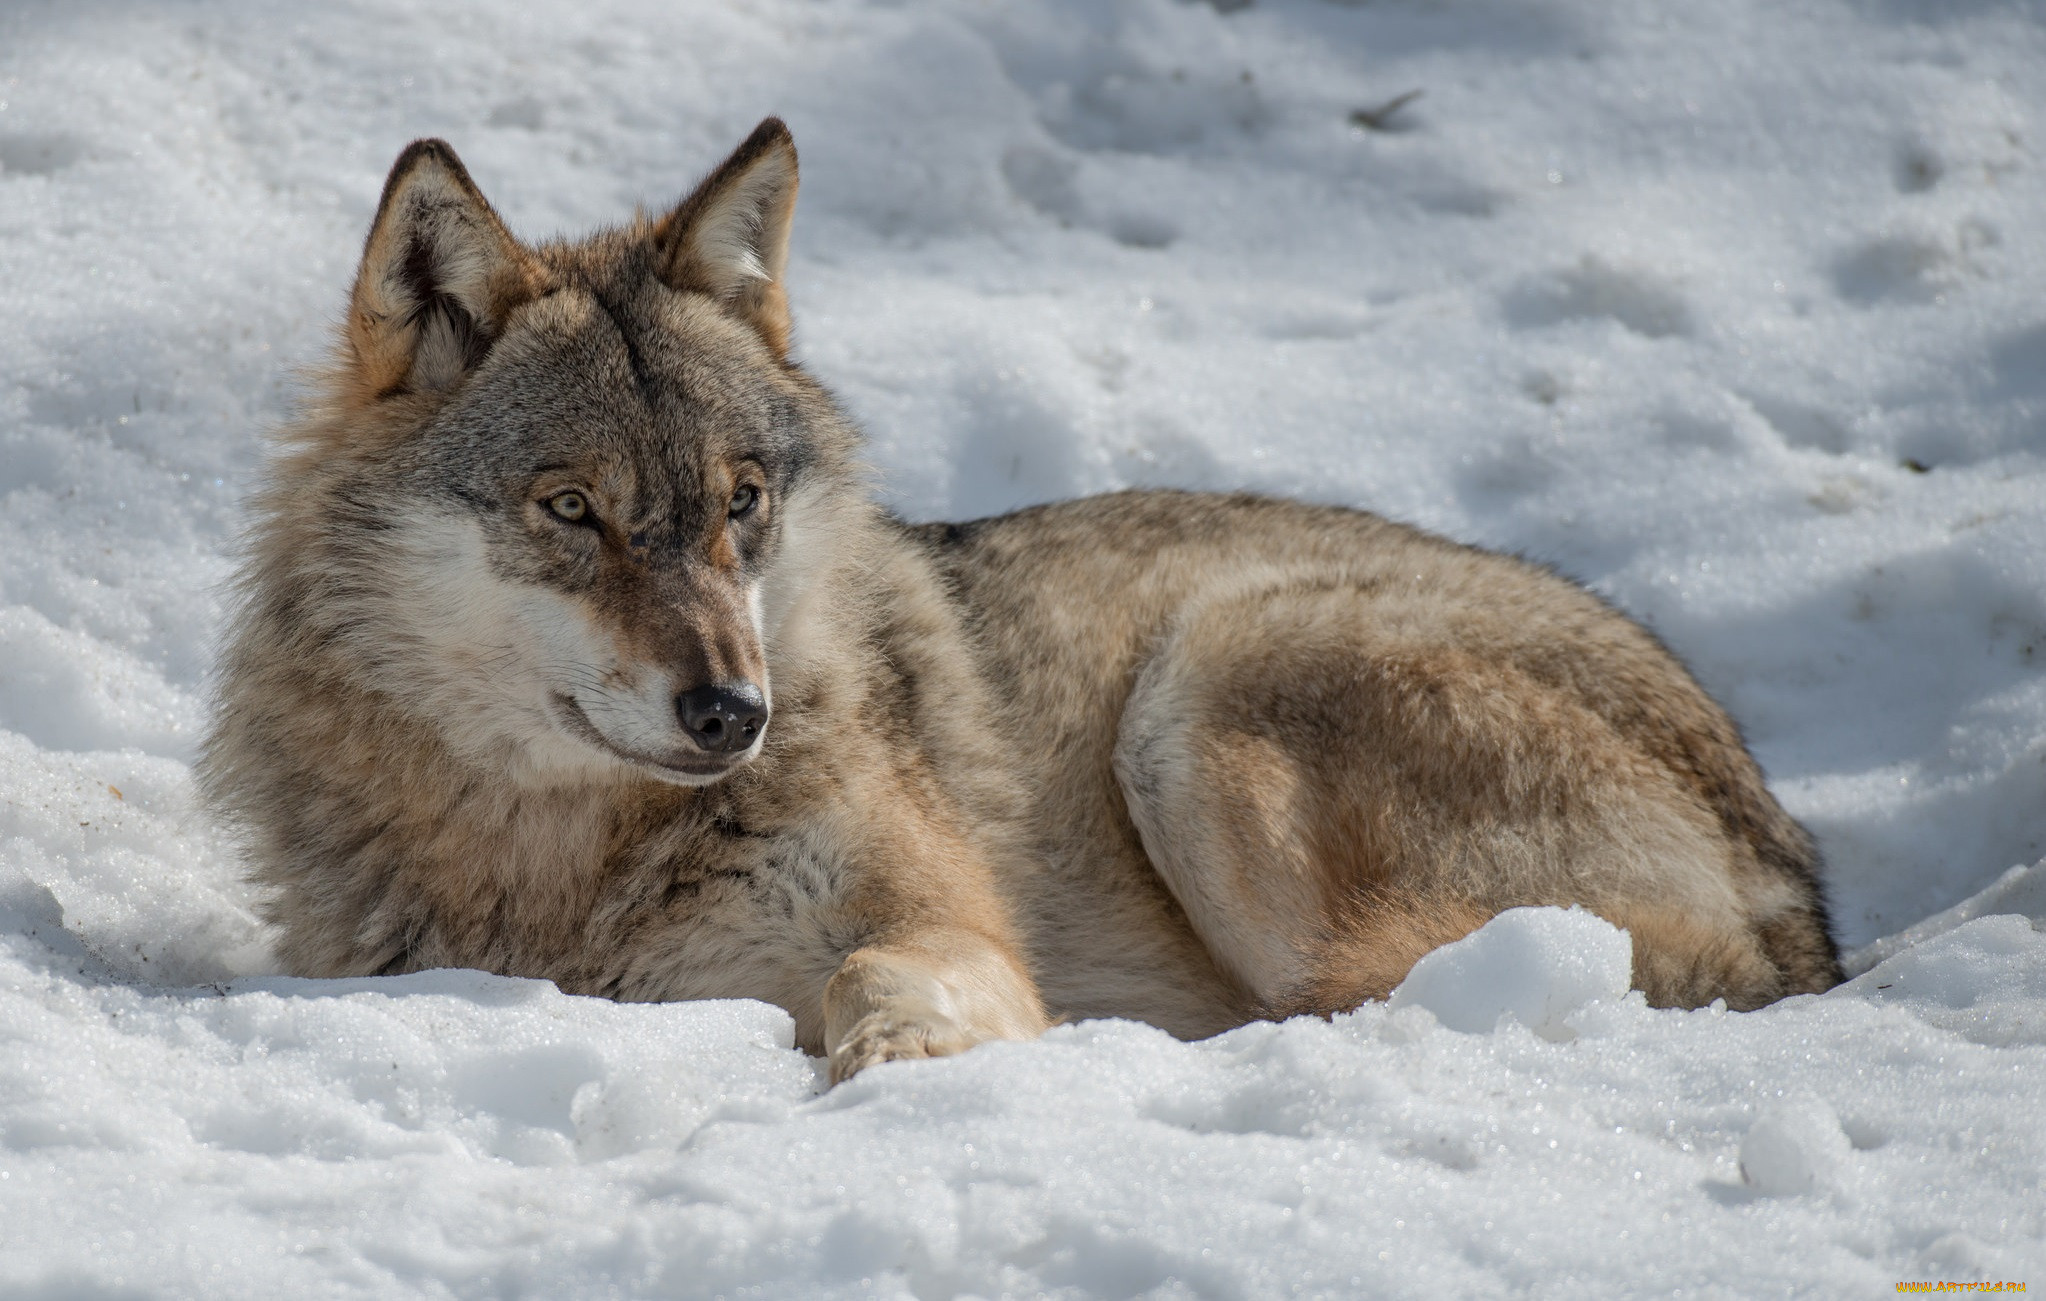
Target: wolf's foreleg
x=927, y=993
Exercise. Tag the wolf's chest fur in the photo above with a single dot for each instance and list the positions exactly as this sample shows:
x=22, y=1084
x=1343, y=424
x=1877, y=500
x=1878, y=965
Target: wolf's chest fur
x=572, y=647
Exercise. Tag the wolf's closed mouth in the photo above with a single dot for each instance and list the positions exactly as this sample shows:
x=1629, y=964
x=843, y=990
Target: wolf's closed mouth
x=697, y=765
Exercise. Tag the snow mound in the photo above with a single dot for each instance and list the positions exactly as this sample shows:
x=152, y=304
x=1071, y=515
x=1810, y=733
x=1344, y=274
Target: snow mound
x=1536, y=965
x=1985, y=980
x=2020, y=892
x=1795, y=1146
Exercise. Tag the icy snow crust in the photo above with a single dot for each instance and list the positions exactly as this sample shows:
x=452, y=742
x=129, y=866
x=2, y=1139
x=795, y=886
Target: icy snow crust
x=1736, y=312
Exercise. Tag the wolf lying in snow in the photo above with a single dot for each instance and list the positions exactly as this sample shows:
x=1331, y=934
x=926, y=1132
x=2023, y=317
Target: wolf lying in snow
x=571, y=647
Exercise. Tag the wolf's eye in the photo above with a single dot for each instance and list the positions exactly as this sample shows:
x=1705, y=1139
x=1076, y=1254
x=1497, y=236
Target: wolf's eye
x=744, y=498
x=571, y=506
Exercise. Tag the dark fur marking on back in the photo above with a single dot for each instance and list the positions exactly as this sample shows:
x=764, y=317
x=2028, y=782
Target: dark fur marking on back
x=946, y=535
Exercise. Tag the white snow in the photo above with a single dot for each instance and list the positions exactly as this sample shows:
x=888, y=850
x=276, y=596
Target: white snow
x=1795, y=1146
x=1536, y=965
x=1734, y=311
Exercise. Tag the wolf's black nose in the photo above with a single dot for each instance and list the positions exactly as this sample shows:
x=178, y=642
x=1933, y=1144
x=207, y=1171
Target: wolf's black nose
x=726, y=716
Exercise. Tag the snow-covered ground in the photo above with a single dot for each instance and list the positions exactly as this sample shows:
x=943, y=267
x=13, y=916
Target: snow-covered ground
x=1735, y=311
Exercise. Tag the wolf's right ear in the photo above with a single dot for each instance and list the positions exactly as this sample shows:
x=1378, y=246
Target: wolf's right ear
x=439, y=276
x=730, y=239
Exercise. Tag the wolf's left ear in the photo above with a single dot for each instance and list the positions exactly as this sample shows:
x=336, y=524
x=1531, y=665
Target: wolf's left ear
x=439, y=276
x=730, y=239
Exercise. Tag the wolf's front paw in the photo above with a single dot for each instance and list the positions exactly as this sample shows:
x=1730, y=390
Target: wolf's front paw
x=891, y=1036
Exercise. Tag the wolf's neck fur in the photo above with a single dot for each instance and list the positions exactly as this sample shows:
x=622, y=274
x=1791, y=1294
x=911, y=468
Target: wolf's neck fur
x=437, y=857
x=426, y=837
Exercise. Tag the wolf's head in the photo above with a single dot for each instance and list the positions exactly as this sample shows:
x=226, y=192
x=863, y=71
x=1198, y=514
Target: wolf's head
x=565, y=496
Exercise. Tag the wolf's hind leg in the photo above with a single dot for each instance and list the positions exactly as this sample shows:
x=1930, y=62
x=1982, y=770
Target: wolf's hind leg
x=1375, y=942
x=1332, y=783
x=1679, y=962
x=1232, y=809
x=1229, y=821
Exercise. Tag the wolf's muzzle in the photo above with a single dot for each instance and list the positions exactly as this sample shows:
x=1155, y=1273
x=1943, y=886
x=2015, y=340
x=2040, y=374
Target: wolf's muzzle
x=723, y=717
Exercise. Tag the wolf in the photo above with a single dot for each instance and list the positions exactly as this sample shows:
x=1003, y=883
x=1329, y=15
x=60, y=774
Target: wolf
x=569, y=643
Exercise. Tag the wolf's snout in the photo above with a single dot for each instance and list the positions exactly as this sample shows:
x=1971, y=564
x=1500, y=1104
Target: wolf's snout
x=723, y=716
